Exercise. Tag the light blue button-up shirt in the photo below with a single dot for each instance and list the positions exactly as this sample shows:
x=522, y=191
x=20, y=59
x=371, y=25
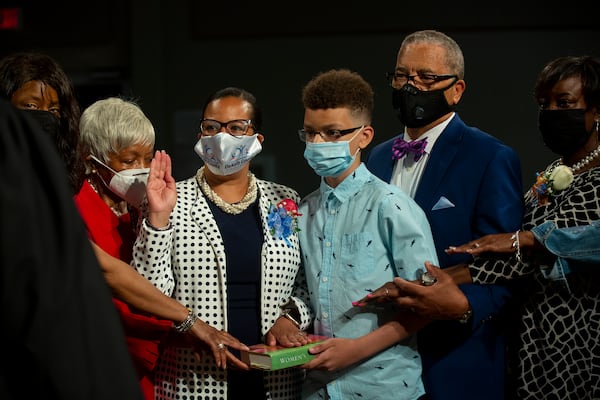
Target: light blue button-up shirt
x=353, y=239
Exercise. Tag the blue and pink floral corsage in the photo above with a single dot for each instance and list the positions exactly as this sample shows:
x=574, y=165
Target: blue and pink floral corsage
x=282, y=220
x=548, y=183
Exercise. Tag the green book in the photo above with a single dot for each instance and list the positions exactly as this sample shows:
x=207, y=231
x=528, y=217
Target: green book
x=271, y=358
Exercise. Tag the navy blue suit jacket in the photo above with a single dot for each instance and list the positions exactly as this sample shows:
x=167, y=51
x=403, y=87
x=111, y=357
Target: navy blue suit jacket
x=470, y=187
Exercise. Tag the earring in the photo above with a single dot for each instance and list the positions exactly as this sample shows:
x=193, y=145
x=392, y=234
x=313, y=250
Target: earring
x=598, y=125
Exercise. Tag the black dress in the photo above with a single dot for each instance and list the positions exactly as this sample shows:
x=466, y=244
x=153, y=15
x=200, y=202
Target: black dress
x=243, y=240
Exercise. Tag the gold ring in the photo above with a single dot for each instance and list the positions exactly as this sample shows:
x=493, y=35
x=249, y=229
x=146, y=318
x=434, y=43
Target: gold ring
x=475, y=245
x=221, y=346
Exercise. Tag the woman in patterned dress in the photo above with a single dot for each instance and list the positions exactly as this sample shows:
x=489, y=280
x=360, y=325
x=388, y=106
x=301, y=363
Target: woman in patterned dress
x=554, y=354
x=206, y=242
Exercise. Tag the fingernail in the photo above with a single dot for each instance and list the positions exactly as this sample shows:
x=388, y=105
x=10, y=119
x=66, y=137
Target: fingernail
x=355, y=303
x=370, y=295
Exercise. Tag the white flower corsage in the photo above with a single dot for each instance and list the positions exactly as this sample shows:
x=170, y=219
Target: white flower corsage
x=550, y=182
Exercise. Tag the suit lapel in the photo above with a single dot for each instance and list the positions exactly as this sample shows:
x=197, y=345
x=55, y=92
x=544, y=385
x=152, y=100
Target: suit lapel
x=443, y=152
x=384, y=166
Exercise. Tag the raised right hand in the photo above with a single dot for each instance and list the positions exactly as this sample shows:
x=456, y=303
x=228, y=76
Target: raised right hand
x=160, y=190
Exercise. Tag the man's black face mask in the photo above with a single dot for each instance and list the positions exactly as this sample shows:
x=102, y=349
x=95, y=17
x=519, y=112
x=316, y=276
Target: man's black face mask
x=416, y=108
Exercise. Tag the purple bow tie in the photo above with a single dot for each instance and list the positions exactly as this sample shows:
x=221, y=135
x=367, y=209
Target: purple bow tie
x=401, y=148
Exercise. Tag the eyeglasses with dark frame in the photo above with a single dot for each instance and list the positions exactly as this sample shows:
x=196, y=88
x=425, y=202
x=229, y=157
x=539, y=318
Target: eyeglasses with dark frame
x=398, y=79
x=236, y=127
x=329, y=135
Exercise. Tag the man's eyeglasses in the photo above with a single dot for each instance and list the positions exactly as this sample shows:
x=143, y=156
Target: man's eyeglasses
x=398, y=79
x=236, y=127
x=330, y=135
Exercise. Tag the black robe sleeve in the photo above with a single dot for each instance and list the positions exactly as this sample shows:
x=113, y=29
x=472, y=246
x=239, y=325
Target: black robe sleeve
x=60, y=335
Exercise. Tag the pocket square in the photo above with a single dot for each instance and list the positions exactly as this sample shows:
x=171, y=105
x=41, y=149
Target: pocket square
x=442, y=203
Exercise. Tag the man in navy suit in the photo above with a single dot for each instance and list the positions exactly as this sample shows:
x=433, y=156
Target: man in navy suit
x=469, y=185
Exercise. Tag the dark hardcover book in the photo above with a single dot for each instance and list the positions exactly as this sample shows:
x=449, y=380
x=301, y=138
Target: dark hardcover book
x=272, y=358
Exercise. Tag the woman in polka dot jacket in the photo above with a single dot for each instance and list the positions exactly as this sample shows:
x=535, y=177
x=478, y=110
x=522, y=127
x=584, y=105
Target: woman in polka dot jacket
x=206, y=241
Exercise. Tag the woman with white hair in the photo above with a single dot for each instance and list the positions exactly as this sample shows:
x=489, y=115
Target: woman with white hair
x=118, y=142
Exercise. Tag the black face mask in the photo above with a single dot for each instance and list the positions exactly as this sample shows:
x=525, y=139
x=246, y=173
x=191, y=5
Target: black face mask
x=563, y=131
x=46, y=120
x=416, y=108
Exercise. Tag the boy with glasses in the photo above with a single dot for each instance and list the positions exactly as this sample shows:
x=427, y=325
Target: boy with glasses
x=356, y=233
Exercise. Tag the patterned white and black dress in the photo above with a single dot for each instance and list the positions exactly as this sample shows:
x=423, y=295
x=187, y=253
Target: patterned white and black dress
x=190, y=263
x=555, y=352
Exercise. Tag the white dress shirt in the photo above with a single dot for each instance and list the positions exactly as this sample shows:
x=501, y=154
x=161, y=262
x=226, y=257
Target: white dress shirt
x=407, y=172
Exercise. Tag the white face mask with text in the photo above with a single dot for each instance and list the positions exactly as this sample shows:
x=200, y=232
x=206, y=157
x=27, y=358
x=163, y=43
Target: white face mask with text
x=225, y=154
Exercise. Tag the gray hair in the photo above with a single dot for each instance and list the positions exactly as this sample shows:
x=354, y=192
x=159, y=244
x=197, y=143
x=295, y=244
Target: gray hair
x=109, y=125
x=454, y=57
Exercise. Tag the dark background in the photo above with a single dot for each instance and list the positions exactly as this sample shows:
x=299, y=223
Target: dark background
x=170, y=55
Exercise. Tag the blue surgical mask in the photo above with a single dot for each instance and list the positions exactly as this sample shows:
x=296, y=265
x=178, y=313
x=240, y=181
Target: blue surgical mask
x=330, y=158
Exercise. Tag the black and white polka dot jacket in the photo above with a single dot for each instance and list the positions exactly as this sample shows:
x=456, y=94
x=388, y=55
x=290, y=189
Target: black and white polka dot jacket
x=187, y=262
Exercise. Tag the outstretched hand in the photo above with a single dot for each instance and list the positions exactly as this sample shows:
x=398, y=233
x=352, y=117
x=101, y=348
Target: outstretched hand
x=205, y=338
x=496, y=243
x=388, y=292
x=442, y=300
x=160, y=189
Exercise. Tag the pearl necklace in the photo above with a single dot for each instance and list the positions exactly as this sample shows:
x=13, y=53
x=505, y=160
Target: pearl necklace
x=585, y=160
x=119, y=212
x=235, y=208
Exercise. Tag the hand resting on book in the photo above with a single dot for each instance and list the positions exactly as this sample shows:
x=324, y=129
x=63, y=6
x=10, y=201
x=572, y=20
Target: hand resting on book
x=285, y=333
x=271, y=358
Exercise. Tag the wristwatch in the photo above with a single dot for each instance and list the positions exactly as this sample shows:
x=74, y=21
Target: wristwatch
x=287, y=313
